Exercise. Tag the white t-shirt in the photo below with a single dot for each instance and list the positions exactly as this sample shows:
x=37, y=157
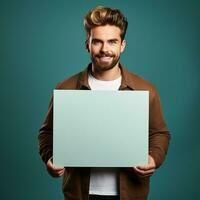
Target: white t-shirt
x=104, y=181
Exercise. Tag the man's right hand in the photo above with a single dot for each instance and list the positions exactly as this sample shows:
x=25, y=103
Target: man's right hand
x=53, y=170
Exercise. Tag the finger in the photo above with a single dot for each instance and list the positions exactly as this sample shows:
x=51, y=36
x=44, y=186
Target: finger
x=62, y=170
x=54, y=170
x=145, y=175
x=146, y=167
x=151, y=164
x=144, y=172
x=54, y=167
x=57, y=168
x=61, y=173
x=57, y=173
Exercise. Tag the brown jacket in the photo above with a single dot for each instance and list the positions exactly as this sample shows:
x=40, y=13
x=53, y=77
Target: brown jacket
x=131, y=186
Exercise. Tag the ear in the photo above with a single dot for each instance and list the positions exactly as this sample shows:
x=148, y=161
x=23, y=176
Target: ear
x=87, y=46
x=123, y=44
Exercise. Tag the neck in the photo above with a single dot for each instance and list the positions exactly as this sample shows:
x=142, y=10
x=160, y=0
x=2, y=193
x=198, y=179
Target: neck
x=107, y=75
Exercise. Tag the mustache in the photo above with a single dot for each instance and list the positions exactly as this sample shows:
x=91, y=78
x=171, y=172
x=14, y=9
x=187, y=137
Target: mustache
x=105, y=54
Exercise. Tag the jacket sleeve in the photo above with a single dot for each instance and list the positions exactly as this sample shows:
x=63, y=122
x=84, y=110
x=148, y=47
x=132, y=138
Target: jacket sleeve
x=45, y=136
x=159, y=135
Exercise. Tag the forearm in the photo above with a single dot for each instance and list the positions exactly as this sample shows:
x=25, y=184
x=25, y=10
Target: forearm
x=45, y=137
x=158, y=146
x=159, y=135
x=45, y=144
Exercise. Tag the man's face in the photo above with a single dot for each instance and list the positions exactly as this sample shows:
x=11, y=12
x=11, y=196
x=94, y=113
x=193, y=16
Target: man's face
x=105, y=47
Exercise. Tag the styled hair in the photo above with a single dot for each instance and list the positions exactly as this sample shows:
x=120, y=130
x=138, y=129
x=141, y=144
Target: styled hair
x=101, y=16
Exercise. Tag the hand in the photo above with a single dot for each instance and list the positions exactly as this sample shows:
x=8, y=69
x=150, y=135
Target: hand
x=53, y=170
x=146, y=170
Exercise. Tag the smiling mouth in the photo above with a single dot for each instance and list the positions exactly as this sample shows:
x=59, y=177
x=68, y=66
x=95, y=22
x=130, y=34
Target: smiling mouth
x=105, y=58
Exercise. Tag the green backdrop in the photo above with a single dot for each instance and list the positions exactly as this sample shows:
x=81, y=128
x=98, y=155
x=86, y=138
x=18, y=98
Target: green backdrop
x=42, y=43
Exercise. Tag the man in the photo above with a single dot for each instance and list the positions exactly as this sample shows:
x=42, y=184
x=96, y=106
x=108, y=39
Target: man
x=106, y=29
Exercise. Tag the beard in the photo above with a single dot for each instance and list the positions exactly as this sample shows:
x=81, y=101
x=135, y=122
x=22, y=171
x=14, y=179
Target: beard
x=104, y=65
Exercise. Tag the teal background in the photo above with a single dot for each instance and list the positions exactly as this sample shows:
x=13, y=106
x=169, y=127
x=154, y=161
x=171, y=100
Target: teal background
x=42, y=43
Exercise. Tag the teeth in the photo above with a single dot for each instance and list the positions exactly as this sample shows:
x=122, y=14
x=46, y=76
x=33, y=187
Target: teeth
x=105, y=59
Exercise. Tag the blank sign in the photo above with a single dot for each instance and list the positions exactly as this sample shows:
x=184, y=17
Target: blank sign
x=100, y=128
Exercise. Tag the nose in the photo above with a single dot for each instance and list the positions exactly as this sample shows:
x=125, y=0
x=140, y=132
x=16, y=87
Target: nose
x=104, y=47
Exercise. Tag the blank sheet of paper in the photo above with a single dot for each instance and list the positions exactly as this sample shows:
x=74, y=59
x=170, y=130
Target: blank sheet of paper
x=100, y=128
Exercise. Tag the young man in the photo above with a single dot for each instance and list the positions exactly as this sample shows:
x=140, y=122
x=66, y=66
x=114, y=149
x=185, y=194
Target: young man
x=106, y=29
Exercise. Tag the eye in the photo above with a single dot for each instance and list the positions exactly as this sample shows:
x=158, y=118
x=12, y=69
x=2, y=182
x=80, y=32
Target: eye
x=112, y=42
x=96, y=42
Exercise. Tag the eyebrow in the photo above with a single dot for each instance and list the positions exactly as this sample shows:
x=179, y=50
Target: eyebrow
x=114, y=40
x=99, y=40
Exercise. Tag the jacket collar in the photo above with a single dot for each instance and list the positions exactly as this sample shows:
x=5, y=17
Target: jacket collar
x=127, y=81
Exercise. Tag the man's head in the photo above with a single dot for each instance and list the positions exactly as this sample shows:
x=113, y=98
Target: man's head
x=101, y=16
x=106, y=29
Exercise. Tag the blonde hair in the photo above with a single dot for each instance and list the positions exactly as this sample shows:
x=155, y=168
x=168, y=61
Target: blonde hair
x=101, y=16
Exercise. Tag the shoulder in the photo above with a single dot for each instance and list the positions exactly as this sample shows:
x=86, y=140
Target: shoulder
x=70, y=82
x=140, y=83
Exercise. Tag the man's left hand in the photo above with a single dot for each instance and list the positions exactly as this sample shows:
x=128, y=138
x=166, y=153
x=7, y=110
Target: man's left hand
x=146, y=170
